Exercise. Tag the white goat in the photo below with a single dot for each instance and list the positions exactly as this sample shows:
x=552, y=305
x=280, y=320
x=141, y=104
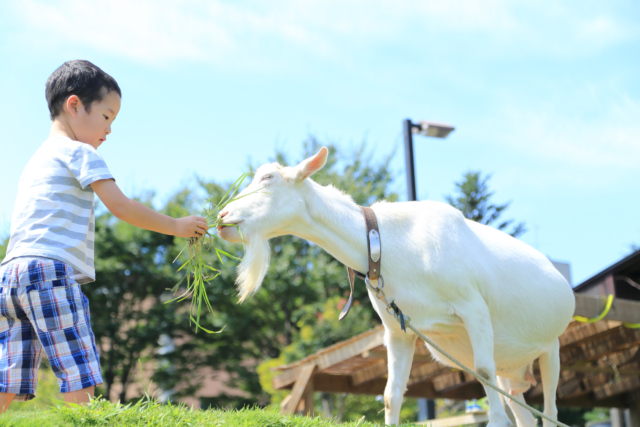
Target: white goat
x=491, y=301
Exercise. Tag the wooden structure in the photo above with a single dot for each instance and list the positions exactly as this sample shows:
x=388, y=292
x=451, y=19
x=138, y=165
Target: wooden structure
x=600, y=361
x=481, y=417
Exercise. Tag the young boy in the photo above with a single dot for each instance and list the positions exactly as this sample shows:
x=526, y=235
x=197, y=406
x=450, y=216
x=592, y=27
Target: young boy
x=50, y=250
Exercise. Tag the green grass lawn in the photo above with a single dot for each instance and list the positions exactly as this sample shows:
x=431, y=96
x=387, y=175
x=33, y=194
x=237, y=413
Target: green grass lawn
x=151, y=413
x=48, y=410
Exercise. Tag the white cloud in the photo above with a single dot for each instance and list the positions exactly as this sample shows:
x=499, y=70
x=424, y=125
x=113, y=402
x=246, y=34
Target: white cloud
x=585, y=151
x=251, y=33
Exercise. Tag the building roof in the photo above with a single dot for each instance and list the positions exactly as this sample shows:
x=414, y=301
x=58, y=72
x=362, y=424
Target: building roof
x=628, y=266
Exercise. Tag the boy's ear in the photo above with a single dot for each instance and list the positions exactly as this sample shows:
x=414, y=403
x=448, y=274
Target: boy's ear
x=73, y=105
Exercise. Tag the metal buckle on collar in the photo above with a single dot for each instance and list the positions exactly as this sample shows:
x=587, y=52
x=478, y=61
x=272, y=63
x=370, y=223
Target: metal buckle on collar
x=374, y=288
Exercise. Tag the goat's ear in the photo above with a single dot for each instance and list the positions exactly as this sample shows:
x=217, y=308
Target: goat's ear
x=313, y=164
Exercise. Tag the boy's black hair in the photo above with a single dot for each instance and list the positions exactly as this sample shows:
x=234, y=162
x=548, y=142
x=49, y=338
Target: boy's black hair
x=80, y=78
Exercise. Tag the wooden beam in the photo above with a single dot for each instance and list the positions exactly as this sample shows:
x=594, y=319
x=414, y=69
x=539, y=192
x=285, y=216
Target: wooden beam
x=620, y=339
x=330, y=356
x=307, y=399
x=374, y=354
x=369, y=373
x=427, y=371
x=594, y=381
x=472, y=390
x=582, y=379
x=582, y=401
x=458, y=420
x=571, y=388
x=602, y=370
x=621, y=310
x=342, y=384
x=578, y=332
x=451, y=380
x=617, y=387
x=587, y=401
x=285, y=379
x=290, y=405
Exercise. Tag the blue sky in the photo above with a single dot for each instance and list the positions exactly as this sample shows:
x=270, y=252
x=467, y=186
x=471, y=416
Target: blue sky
x=545, y=96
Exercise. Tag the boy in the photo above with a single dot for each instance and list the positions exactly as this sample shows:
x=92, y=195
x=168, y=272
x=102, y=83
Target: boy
x=50, y=250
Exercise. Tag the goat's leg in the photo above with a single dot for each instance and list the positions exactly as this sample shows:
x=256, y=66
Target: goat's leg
x=550, y=374
x=400, y=348
x=477, y=322
x=524, y=418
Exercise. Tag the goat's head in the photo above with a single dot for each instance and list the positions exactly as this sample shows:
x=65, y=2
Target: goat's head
x=273, y=201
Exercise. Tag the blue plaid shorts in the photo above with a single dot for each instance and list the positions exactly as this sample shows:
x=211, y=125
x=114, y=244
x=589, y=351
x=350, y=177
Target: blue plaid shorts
x=43, y=308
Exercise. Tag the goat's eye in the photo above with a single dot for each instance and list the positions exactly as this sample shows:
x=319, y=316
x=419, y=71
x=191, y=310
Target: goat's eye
x=266, y=177
x=106, y=117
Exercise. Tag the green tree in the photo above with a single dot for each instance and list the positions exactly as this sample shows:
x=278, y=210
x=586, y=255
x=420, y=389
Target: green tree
x=473, y=199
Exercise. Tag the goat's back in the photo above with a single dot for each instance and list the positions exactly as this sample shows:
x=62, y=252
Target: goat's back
x=431, y=245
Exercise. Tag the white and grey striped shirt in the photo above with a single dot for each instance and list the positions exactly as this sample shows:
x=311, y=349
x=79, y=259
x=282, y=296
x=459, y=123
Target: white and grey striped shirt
x=54, y=212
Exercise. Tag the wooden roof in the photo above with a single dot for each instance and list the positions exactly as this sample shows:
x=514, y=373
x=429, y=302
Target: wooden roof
x=600, y=362
x=618, y=274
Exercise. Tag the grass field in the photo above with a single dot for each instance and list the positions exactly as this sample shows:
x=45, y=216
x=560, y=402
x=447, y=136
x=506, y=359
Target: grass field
x=47, y=410
x=148, y=412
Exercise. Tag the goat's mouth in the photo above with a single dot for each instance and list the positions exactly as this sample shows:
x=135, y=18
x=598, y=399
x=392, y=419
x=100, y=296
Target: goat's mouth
x=229, y=224
x=230, y=232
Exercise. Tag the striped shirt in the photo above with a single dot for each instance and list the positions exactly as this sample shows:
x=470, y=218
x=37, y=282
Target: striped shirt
x=54, y=212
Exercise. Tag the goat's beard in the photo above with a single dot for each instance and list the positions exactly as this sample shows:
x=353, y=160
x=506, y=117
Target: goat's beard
x=253, y=267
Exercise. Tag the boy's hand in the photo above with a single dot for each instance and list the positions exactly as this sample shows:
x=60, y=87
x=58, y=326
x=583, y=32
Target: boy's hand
x=191, y=226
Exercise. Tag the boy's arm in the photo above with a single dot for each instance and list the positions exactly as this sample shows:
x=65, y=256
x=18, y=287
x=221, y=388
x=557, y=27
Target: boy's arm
x=137, y=214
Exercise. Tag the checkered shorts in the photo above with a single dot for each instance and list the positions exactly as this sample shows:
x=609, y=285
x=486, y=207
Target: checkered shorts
x=43, y=308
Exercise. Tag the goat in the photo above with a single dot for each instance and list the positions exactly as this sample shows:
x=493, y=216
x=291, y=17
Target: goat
x=488, y=299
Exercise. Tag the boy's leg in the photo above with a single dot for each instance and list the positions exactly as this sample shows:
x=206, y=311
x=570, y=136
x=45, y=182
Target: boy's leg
x=5, y=401
x=20, y=350
x=60, y=315
x=80, y=396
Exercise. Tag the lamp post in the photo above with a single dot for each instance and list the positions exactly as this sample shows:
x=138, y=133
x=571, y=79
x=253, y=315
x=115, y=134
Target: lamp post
x=426, y=128
x=426, y=407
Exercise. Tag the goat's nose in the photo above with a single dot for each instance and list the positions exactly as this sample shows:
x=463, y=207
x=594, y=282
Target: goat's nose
x=223, y=214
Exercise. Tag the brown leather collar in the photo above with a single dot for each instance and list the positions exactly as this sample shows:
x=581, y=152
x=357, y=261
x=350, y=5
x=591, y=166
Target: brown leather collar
x=374, y=253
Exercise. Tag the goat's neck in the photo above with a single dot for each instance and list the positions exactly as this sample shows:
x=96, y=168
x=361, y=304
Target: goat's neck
x=335, y=223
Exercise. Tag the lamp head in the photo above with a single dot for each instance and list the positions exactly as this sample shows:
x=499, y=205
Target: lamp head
x=434, y=129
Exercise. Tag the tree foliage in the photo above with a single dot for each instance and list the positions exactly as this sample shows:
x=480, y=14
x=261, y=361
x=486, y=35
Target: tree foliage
x=473, y=199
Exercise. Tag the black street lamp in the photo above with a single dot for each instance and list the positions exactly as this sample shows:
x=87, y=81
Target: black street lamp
x=426, y=407
x=436, y=130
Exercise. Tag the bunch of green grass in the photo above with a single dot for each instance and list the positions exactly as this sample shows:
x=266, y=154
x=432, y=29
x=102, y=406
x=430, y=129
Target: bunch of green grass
x=197, y=272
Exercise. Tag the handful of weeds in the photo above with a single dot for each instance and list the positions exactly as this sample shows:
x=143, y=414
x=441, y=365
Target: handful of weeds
x=197, y=272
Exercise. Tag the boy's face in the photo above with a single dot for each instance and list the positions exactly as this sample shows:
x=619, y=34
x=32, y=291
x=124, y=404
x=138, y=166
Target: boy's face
x=93, y=127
